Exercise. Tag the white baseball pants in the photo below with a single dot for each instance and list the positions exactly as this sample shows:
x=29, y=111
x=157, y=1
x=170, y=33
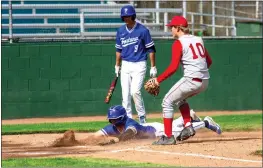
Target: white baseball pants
x=177, y=95
x=132, y=77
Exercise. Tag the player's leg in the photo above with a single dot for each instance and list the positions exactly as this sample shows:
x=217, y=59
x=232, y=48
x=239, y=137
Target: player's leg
x=159, y=128
x=194, y=117
x=178, y=127
x=169, y=100
x=138, y=75
x=125, y=86
x=212, y=125
x=178, y=124
x=190, y=88
x=208, y=123
x=183, y=89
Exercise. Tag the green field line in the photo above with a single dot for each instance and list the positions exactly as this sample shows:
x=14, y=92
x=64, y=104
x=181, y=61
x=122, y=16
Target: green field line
x=73, y=162
x=244, y=122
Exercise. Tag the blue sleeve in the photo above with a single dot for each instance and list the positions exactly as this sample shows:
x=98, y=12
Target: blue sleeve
x=118, y=42
x=148, y=42
x=131, y=123
x=109, y=130
x=145, y=131
x=151, y=49
x=142, y=131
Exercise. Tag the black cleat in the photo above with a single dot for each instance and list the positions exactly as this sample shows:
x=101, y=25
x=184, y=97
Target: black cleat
x=164, y=140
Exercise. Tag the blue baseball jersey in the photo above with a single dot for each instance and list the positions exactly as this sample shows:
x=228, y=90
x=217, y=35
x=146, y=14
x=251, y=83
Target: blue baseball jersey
x=142, y=131
x=133, y=44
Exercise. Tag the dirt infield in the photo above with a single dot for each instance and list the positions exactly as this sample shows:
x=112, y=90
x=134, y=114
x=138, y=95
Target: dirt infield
x=205, y=149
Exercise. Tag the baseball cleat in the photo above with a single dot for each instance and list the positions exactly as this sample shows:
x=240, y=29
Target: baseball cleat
x=164, y=140
x=128, y=134
x=142, y=119
x=213, y=125
x=194, y=116
x=186, y=133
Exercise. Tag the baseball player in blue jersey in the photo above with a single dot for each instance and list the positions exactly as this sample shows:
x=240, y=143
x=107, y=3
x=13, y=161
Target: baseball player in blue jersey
x=123, y=128
x=133, y=44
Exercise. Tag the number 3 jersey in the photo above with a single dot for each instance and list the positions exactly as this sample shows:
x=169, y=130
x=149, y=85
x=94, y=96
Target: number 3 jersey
x=133, y=43
x=188, y=50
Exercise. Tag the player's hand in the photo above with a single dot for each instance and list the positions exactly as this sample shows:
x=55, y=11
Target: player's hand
x=117, y=70
x=109, y=142
x=153, y=72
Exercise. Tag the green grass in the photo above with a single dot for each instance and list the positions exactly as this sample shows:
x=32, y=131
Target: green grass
x=247, y=122
x=52, y=127
x=257, y=152
x=73, y=162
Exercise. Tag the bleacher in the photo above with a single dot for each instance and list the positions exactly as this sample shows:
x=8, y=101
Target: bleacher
x=60, y=17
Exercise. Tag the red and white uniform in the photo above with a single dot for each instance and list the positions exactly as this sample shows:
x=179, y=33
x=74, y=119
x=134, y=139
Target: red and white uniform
x=190, y=52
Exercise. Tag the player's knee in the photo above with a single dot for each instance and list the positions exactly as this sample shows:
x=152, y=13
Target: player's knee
x=167, y=108
x=180, y=103
x=136, y=93
x=166, y=103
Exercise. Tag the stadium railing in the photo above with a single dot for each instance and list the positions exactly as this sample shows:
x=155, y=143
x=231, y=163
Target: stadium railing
x=71, y=24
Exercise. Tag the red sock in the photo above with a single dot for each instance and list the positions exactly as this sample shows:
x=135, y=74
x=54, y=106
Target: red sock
x=168, y=126
x=185, y=111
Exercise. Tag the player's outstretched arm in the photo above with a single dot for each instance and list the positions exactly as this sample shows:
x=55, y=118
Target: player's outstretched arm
x=99, y=138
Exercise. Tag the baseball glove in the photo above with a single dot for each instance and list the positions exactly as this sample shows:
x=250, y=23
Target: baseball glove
x=152, y=86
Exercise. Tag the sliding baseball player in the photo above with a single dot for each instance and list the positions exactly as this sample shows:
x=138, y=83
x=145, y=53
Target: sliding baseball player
x=123, y=128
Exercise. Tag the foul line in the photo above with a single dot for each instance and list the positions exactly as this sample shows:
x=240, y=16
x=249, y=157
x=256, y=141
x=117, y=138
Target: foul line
x=139, y=149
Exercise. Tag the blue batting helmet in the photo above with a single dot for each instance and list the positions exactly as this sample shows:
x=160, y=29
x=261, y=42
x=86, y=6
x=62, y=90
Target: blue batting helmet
x=118, y=113
x=128, y=10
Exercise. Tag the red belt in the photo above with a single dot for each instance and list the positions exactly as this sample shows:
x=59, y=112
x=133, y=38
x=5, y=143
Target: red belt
x=197, y=79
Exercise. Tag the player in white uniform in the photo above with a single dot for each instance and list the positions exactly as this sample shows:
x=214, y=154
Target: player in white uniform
x=188, y=50
x=178, y=125
x=133, y=44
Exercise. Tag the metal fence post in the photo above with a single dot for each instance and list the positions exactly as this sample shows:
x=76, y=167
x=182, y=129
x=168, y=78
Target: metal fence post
x=256, y=12
x=184, y=8
x=233, y=19
x=193, y=23
x=10, y=22
x=213, y=18
x=201, y=11
x=157, y=6
x=165, y=21
x=82, y=29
